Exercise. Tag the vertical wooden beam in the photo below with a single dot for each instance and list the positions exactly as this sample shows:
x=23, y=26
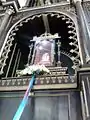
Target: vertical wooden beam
x=45, y=19
x=46, y=23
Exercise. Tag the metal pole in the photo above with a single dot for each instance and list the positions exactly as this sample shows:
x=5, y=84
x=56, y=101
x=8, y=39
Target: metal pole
x=25, y=100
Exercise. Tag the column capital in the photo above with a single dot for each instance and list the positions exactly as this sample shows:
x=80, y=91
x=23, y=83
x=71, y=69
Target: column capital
x=74, y=1
x=12, y=5
x=9, y=11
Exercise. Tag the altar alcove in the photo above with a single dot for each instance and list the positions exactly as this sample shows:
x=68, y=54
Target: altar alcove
x=60, y=102
x=22, y=49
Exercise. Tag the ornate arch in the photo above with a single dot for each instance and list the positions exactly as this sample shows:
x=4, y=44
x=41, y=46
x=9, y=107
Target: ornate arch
x=73, y=53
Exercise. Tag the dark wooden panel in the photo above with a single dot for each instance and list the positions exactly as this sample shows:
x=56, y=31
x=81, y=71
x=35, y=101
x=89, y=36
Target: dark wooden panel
x=63, y=107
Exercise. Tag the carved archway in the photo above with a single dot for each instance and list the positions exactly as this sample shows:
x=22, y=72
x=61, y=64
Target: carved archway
x=72, y=52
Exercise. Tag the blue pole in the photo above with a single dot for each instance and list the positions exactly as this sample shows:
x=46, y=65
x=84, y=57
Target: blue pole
x=25, y=100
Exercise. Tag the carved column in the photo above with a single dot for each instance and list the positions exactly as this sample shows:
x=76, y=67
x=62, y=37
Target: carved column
x=84, y=31
x=59, y=53
x=4, y=24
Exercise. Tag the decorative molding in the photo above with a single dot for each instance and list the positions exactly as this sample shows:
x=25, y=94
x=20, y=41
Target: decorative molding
x=55, y=81
x=58, y=79
x=31, y=11
x=64, y=6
